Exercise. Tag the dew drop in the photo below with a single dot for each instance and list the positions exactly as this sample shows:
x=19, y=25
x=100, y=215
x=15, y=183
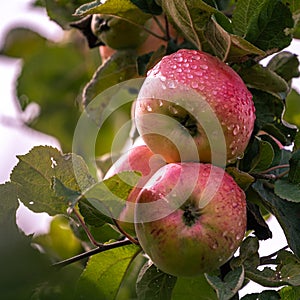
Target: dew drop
x=238, y=237
x=194, y=67
x=215, y=246
x=173, y=110
x=180, y=59
x=148, y=108
x=31, y=202
x=160, y=103
x=163, y=78
x=194, y=85
x=179, y=70
x=171, y=85
x=190, y=76
x=174, y=67
x=236, y=130
x=186, y=65
x=196, y=57
x=204, y=67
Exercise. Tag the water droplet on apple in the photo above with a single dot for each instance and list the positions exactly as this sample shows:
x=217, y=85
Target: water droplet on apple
x=186, y=65
x=163, y=78
x=190, y=76
x=236, y=130
x=204, y=67
x=195, y=85
x=238, y=237
x=198, y=73
x=171, y=85
x=194, y=67
x=148, y=108
x=173, y=110
x=215, y=246
x=160, y=103
x=179, y=70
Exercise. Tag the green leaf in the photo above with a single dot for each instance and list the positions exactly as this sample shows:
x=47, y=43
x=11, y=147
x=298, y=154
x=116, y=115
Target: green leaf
x=61, y=11
x=285, y=64
x=292, y=111
x=124, y=9
x=91, y=215
x=242, y=15
x=294, y=173
x=287, y=190
x=297, y=141
x=153, y=283
x=228, y=287
x=227, y=46
x=109, y=196
x=265, y=295
x=263, y=78
x=243, y=179
x=119, y=67
x=269, y=111
x=290, y=292
x=249, y=256
x=255, y=219
x=8, y=201
x=34, y=173
x=287, y=214
x=148, y=6
x=263, y=23
x=264, y=158
x=289, y=267
x=22, y=43
x=193, y=289
x=104, y=273
x=190, y=17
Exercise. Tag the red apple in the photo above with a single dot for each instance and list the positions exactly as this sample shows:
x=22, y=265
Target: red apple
x=140, y=159
x=190, y=218
x=192, y=96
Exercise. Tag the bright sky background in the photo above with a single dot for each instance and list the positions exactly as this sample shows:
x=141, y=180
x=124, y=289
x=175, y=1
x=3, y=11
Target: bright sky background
x=17, y=140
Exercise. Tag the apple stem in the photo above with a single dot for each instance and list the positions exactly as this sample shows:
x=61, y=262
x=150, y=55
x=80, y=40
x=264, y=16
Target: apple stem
x=129, y=237
x=88, y=233
x=100, y=248
x=163, y=30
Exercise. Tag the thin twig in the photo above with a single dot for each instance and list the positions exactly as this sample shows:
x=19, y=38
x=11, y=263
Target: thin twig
x=100, y=248
x=87, y=231
x=268, y=259
x=282, y=174
x=129, y=237
x=275, y=168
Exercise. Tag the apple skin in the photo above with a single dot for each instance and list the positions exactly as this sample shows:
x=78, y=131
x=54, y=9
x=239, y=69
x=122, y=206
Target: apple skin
x=190, y=241
x=192, y=72
x=140, y=159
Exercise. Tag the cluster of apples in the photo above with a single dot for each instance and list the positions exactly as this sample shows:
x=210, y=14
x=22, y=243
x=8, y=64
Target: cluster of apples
x=194, y=115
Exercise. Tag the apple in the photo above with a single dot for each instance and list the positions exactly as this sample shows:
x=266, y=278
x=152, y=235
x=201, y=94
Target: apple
x=205, y=100
x=140, y=159
x=190, y=218
x=118, y=33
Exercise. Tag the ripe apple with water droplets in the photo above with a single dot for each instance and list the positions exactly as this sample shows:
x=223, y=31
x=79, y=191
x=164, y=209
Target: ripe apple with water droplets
x=140, y=159
x=200, y=222
x=189, y=96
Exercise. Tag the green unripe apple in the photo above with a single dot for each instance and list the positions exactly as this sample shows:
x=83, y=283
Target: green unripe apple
x=190, y=218
x=117, y=33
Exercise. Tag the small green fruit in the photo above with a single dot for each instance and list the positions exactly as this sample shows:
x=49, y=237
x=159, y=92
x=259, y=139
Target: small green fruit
x=117, y=33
